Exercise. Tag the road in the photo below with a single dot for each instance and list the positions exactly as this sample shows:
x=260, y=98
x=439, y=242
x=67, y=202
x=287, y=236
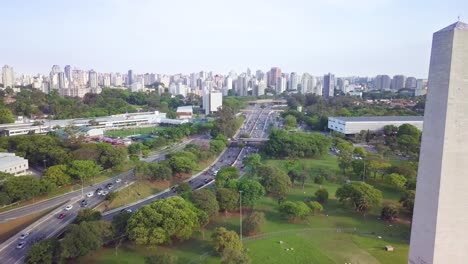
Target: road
x=53, y=202
x=50, y=225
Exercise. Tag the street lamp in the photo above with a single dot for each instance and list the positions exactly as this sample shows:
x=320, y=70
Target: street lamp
x=240, y=219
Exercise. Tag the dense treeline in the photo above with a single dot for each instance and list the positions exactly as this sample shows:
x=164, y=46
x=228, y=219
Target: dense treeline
x=66, y=162
x=282, y=144
x=34, y=103
x=316, y=109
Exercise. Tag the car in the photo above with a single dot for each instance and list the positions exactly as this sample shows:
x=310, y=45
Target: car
x=24, y=235
x=127, y=210
x=61, y=216
x=68, y=207
x=104, y=193
x=207, y=180
x=98, y=190
x=21, y=244
x=90, y=194
x=125, y=182
x=109, y=186
x=118, y=180
x=83, y=203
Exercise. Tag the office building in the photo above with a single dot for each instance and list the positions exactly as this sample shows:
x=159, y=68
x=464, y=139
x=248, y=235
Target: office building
x=328, y=85
x=281, y=85
x=68, y=73
x=130, y=77
x=354, y=125
x=8, y=77
x=440, y=217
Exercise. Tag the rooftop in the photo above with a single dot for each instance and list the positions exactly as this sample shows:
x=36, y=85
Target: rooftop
x=9, y=159
x=186, y=108
x=380, y=118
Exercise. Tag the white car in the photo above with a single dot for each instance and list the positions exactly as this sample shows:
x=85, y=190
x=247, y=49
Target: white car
x=118, y=180
x=68, y=207
x=90, y=194
x=24, y=235
x=99, y=192
x=104, y=193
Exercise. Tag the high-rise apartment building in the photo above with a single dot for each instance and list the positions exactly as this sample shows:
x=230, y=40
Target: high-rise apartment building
x=382, y=82
x=93, y=79
x=275, y=73
x=68, y=73
x=293, y=81
x=411, y=83
x=8, y=77
x=440, y=218
x=328, y=85
x=398, y=82
x=281, y=84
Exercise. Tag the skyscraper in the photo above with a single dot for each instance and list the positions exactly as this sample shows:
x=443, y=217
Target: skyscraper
x=130, y=77
x=440, y=218
x=382, y=82
x=410, y=83
x=8, y=76
x=328, y=86
x=275, y=73
x=68, y=73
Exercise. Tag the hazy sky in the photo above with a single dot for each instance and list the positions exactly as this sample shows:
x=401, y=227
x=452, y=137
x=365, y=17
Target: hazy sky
x=346, y=37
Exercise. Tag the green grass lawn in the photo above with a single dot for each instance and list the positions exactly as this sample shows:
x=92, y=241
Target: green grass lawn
x=337, y=235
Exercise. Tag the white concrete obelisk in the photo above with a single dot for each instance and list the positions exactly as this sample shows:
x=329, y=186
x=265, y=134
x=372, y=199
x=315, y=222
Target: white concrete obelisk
x=439, y=231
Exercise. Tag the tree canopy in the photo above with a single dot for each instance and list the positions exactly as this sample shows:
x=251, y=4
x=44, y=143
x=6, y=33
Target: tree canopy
x=360, y=194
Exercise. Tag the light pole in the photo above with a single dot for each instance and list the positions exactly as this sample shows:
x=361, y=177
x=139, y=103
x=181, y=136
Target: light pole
x=82, y=186
x=240, y=219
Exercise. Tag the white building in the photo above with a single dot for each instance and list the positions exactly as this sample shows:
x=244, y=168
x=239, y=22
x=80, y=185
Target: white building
x=216, y=101
x=10, y=163
x=185, y=112
x=8, y=77
x=354, y=125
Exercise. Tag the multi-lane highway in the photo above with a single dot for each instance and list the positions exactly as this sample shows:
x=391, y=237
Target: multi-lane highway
x=52, y=224
x=54, y=202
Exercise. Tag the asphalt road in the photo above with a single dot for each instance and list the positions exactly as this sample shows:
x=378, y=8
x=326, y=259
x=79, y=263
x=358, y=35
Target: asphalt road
x=50, y=225
x=53, y=202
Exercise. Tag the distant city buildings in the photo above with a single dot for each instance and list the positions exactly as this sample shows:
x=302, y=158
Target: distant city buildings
x=328, y=89
x=8, y=77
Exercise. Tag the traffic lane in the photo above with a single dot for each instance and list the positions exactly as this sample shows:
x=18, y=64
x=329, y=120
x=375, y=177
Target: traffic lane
x=47, y=227
x=35, y=208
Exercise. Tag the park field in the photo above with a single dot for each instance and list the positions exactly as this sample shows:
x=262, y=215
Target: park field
x=337, y=235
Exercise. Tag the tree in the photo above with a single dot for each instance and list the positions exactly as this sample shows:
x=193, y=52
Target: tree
x=84, y=238
x=389, y=213
x=319, y=179
x=161, y=258
x=396, y=180
x=216, y=146
x=282, y=144
x=159, y=171
x=57, y=175
x=360, y=152
x=275, y=181
x=226, y=174
x=321, y=195
x=6, y=116
x=83, y=169
x=228, y=199
x=252, y=162
x=290, y=122
x=293, y=210
x=21, y=188
x=224, y=239
x=43, y=252
x=112, y=157
x=407, y=200
x=226, y=121
x=345, y=156
x=253, y=223
x=182, y=163
x=361, y=195
x=120, y=222
x=390, y=130
x=87, y=215
x=315, y=207
x=205, y=200
x=252, y=191
x=162, y=221
x=230, y=256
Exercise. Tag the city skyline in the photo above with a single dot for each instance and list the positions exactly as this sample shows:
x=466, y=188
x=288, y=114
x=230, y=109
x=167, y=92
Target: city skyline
x=316, y=38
